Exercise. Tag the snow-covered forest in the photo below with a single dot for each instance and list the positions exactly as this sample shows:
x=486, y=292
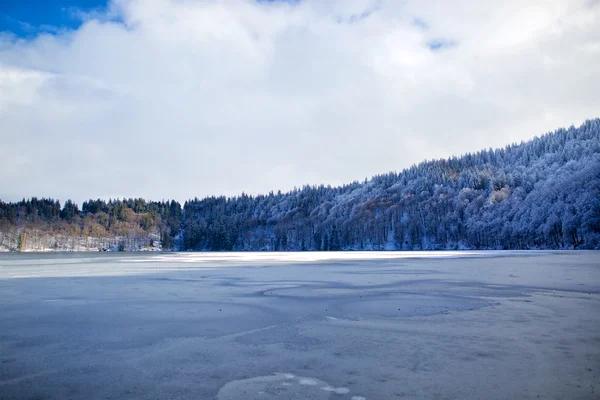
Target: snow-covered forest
x=544, y=193
x=540, y=194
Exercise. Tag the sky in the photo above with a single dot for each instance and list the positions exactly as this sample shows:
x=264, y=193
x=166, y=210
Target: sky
x=179, y=99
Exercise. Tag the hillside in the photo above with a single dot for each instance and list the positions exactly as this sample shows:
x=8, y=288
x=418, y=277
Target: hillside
x=540, y=194
x=544, y=193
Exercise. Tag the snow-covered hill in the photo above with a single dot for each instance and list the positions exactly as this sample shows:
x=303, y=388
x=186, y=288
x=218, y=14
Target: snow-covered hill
x=540, y=194
x=544, y=193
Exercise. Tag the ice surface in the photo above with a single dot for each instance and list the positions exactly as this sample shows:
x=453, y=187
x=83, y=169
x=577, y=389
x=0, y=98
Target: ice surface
x=452, y=325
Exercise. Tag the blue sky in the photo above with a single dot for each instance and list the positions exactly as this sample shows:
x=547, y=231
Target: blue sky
x=29, y=17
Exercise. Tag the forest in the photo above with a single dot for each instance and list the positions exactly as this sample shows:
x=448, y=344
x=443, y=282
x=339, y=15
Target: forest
x=539, y=194
x=117, y=222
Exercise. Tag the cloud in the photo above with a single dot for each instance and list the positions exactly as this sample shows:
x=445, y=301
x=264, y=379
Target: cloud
x=184, y=98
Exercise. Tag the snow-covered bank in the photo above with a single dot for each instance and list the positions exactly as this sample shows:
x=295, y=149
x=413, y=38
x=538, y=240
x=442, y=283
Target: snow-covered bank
x=39, y=241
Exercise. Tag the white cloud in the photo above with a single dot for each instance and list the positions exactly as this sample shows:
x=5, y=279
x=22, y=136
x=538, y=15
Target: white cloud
x=183, y=98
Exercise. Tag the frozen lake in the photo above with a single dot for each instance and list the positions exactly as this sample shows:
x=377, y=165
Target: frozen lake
x=353, y=326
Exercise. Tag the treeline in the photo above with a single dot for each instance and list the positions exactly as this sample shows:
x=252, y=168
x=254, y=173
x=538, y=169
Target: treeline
x=540, y=194
x=544, y=193
x=127, y=218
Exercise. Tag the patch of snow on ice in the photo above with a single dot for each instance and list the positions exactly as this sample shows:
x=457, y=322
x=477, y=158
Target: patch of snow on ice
x=233, y=258
x=340, y=390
